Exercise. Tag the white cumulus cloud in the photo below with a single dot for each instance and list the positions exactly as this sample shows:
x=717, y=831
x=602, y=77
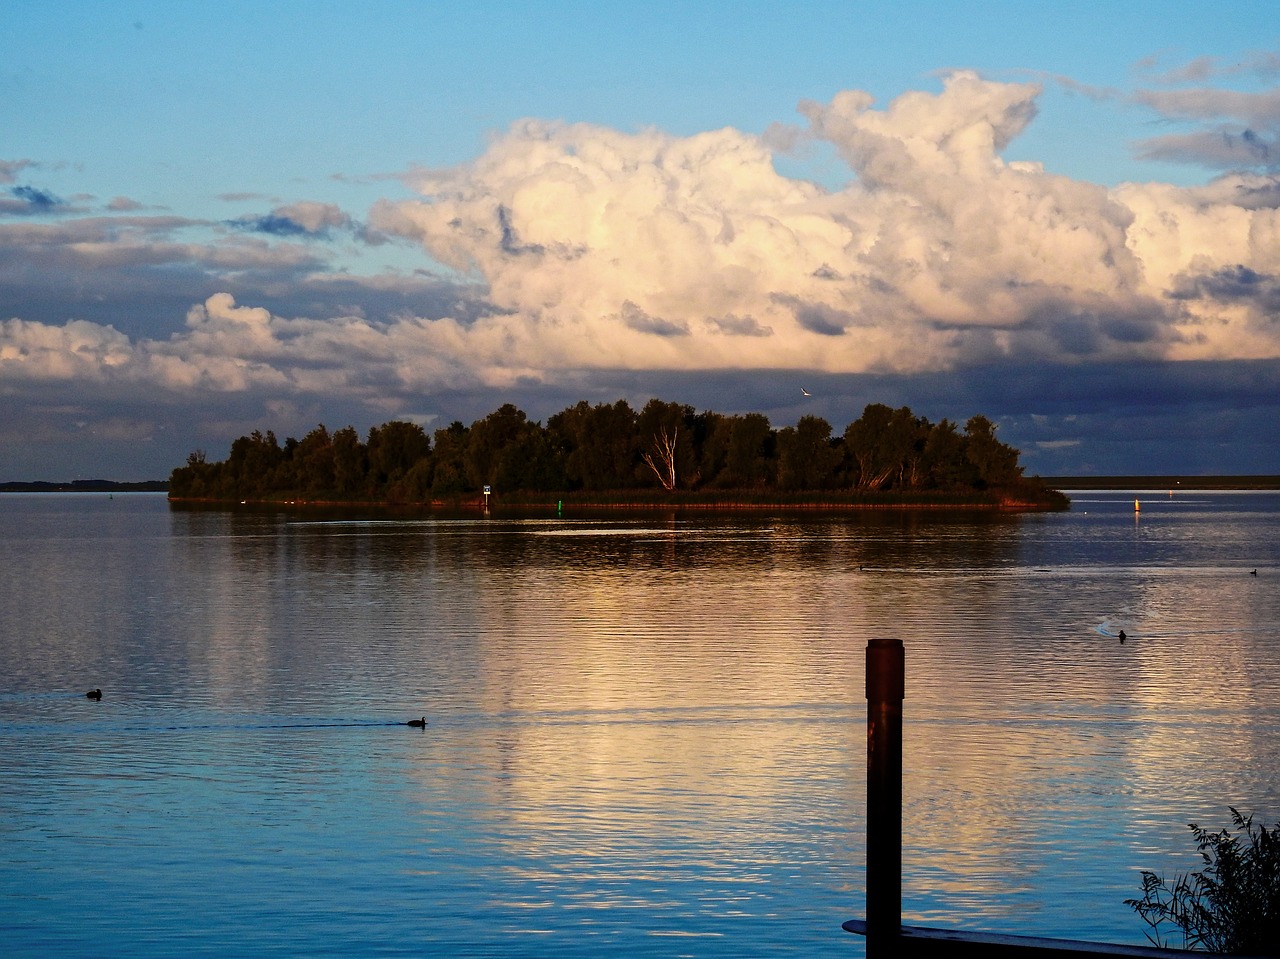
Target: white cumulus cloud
x=606, y=249
x=586, y=248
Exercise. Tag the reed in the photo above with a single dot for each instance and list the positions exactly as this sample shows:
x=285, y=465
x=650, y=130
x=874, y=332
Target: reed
x=1230, y=906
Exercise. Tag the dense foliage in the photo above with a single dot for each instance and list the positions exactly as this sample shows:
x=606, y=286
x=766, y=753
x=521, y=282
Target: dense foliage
x=1230, y=906
x=605, y=449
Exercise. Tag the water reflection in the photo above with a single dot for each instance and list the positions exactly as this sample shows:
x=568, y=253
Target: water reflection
x=646, y=731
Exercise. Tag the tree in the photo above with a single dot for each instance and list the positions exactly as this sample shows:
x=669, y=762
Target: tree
x=350, y=462
x=996, y=463
x=749, y=457
x=394, y=448
x=251, y=467
x=611, y=447
x=450, y=475
x=598, y=444
x=807, y=458
x=666, y=435
x=661, y=457
x=943, y=462
x=197, y=479
x=507, y=451
x=414, y=485
x=910, y=434
x=713, y=451
x=313, y=463
x=885, y=445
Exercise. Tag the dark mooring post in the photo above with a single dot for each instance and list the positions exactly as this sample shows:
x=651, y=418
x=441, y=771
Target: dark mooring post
x=886, y=688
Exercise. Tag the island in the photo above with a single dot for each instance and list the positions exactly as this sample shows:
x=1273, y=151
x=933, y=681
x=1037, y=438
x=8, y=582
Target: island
x=610, y=455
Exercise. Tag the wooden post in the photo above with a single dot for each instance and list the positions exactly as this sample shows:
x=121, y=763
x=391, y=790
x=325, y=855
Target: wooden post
x=887, y=937
x=886, y=688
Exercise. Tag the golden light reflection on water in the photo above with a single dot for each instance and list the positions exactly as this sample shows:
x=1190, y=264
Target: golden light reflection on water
x=665, y=718
x=1046, y=747
x=679, y=674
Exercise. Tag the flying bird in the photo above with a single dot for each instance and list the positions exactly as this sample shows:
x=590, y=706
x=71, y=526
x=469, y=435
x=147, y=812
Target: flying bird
x=805, y=392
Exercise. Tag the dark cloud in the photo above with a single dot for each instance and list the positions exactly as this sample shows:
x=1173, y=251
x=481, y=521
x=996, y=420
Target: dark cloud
x=1260, y=147
x=1155, y=418
x=149, y=301
x=640, y=321
x=137, y=275
x=134, y=272
x=1262, y=194
x=1232, y=285
x=1141, y=418
x=816, y=317
x=1195, y=71
x=1076, y=335
x=732, y=325
x=1234, y=129
x=1089, y=334
x=305, y=220
x=511, y=244
x=510, y=241
x=274, y=225
x=1145, y=418
x=30, y=201
x=1224, y=149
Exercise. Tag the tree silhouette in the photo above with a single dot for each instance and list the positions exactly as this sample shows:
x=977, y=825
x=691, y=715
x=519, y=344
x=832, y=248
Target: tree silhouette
x=610, y=447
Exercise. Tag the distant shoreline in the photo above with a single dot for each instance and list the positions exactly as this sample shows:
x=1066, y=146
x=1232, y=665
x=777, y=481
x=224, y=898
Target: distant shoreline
x=85, y=486
x=1254, y=482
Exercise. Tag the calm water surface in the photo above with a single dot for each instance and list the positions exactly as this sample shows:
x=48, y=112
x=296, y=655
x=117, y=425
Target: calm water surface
x=646, y=735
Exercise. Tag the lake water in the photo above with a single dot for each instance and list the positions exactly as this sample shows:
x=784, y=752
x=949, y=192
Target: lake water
x=646, y=733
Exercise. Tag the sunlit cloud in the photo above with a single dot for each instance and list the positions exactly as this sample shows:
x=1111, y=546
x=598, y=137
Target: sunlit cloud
x=585, y=247
x=573, y=253
x=611, y=249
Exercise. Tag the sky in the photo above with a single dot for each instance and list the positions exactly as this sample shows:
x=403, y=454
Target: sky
x=224, y=217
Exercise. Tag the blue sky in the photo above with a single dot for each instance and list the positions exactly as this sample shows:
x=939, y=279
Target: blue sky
x=220, y=217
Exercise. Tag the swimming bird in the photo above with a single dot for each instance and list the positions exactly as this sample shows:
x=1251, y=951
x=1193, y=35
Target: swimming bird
x=1122, y=636
x=94, y=694
x=418, y=723
x=1253, y=572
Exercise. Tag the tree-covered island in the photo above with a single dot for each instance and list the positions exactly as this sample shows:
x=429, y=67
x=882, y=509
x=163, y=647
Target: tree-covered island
x=611, y=455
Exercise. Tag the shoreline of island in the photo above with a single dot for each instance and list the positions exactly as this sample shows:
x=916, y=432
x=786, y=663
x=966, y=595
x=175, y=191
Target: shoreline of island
x=634, y=501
